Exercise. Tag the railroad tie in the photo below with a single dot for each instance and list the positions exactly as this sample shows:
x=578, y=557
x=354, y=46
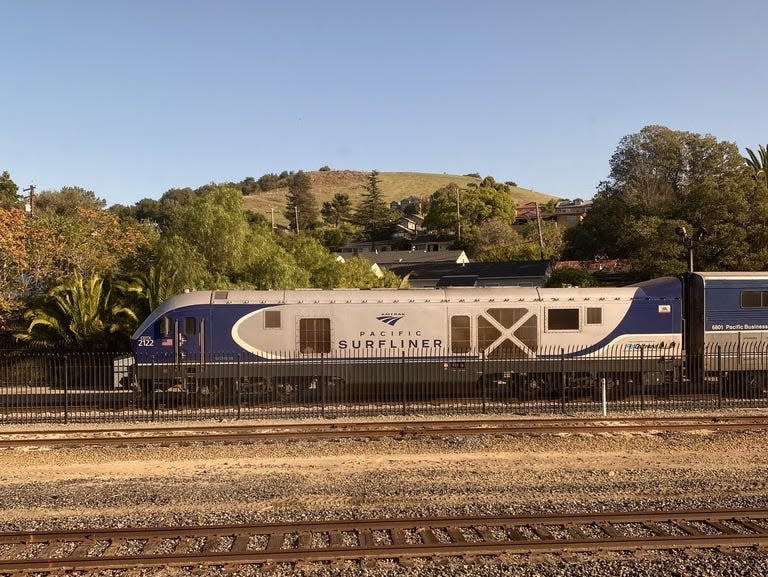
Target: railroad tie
x=240, y=544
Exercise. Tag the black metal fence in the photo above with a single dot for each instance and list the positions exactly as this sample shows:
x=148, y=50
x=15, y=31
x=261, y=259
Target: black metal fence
x=94, y=387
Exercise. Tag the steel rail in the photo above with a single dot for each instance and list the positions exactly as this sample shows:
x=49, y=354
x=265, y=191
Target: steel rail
x=441, y=536
x=399, y=429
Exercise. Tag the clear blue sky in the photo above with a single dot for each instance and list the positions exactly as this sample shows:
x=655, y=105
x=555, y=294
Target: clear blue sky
x=131, y=98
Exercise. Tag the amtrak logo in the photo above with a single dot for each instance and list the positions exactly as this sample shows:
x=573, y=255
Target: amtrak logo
x=390, y=318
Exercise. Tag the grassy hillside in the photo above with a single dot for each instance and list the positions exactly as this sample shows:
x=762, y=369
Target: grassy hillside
x=394, y=186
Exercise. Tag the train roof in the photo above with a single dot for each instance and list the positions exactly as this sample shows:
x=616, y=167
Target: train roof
x=745, y=275
x=447, y=294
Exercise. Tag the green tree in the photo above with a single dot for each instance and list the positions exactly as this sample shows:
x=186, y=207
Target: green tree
x=325, y=271
x=9, y=191
x=495, y=240
x=337, y=210
x=214, y=224
x=373, y=215
x=451, y=206
x=759, y=163
x=660, y=179
x=570, y=277
x=67, y=200
x=300, y=203
x=79, y=314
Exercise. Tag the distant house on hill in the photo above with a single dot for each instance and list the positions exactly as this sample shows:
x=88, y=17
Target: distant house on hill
x=567, y=213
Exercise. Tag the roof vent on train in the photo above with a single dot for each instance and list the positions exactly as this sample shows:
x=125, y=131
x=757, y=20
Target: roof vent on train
x=220, y=295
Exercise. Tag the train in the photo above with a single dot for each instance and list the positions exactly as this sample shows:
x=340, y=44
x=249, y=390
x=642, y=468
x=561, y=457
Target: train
x=517, y=341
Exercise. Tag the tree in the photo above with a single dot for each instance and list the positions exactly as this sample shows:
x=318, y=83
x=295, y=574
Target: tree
x=495, y=240
x=759, y=163
x=9, y=191
x=13, y=261
x=337, y=210
x=300, y=203
x=451, y=206
x=67, y=200
x=570, y=277
x=373, y=215
x=660, y=179
x=214, y=223
x=79, y=314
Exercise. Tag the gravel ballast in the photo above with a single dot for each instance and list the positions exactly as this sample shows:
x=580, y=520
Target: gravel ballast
x=272, y=481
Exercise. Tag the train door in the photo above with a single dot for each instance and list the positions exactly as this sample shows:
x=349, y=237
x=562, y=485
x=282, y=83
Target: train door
x=187, y=334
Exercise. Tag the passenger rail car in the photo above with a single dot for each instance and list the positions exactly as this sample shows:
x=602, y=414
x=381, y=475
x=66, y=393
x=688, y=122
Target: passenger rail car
x=515, y=340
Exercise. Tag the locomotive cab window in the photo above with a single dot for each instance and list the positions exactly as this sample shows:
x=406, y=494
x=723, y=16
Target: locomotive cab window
x=754, y=299
x=165, y=326
x=315, y=335
x=562, y=319
x=190, y=325
x=272, y=320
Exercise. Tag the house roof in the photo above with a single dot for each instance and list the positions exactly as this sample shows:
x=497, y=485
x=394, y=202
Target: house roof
x=448, y=273
x=392, y=258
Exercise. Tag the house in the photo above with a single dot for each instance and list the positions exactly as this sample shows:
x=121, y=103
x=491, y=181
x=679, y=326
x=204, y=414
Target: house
x=408, y=226
x=566, y=214
x=391, y=258
x=569, y=213
x=480, y=274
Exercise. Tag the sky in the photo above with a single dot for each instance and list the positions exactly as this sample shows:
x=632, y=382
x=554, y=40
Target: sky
x=129, y=98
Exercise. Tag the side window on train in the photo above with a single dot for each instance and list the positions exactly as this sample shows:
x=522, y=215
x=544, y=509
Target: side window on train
x=562, y=319
x=594, y=316
x=272, y=320
x=754, y=299
x=460, y=334
x=315, y=335
x=190, y=326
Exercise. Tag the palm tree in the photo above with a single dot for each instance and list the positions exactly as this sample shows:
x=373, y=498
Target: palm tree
x=758, y=163
x=79, y=314
x=145, y=291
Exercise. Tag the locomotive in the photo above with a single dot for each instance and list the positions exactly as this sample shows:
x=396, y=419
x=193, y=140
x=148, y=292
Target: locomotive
x=519, y=341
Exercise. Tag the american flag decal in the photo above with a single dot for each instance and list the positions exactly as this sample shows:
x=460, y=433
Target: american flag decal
x=389, y=319
x=166, y=342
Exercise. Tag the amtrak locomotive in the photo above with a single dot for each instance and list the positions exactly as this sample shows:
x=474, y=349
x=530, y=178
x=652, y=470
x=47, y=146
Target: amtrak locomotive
x=519, y=337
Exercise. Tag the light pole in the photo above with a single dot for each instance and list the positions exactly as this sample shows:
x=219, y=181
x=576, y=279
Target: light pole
x=690, y=241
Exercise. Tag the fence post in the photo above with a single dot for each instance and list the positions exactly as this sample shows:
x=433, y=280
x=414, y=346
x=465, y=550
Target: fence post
x=719, y=378
x=562, y=379
x=483, y=384
x=642, y=379
x=152, y=389
x=66, y=390
x=402, y=381
x=321, y=384
x=238, y=381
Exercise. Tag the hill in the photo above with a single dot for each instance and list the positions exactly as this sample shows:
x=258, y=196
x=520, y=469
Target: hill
x=394, y=186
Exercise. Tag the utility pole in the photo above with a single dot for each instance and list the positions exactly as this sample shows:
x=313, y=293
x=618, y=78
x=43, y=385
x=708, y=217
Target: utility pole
x=458, y=216
x=31, y=204
x=541, y=237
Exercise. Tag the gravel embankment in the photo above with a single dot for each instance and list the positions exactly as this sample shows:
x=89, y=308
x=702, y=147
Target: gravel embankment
x=301, y=480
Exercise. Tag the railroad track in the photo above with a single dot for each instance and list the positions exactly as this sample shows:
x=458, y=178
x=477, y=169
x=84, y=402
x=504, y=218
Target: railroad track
x=400, y=539
x=396, y=429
